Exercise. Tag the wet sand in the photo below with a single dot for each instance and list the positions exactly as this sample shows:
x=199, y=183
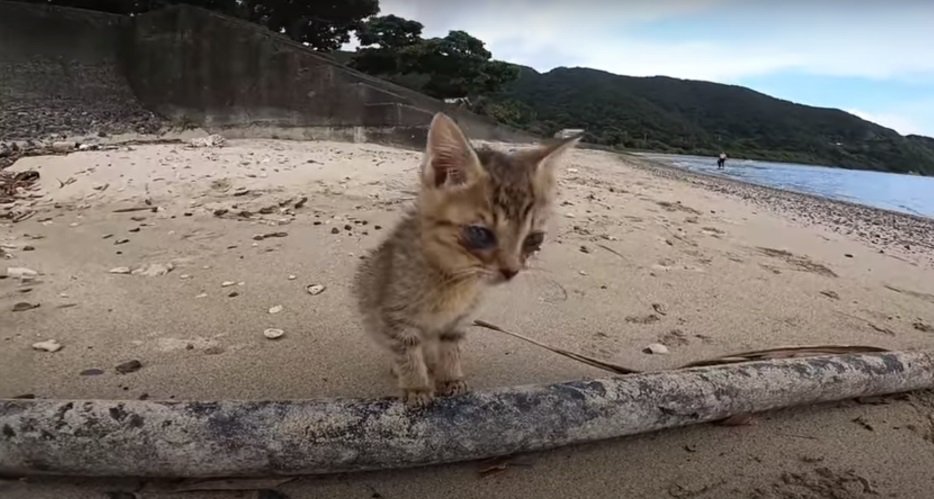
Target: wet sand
x=638, y=253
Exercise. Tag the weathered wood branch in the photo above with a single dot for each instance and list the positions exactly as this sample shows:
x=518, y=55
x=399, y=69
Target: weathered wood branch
x=242, y=438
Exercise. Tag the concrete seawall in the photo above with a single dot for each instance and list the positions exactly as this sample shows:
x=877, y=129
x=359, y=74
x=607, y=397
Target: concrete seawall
x=66, y=70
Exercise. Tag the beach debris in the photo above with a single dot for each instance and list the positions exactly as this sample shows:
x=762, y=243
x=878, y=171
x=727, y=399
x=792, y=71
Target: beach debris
x=21, y=273
x=227, y=284
x=213, y=140
x=643, y=319
x=674, y=338
x=92, y=372
x=315, y=289
x=120, y=270
x=655, y=349
x=260, y=237
x=24, y=306
x=51, y=346
x=275, y=309
x=273, y=333
x=154, y=269
x=130, y=366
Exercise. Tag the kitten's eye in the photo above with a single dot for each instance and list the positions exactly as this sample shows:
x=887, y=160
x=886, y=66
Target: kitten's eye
x=533, y=241
x=479, y=238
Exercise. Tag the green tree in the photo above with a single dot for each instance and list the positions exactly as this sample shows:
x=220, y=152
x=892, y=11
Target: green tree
x=457, y=65
x=322, y=24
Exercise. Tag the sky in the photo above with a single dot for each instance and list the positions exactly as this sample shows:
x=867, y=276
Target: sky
x=874, y=59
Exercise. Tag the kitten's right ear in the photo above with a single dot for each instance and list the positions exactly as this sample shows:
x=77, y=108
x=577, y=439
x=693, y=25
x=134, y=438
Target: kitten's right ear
x=449, y=159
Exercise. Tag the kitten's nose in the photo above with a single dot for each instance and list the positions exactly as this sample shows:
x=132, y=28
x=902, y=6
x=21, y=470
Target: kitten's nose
x=508, y=273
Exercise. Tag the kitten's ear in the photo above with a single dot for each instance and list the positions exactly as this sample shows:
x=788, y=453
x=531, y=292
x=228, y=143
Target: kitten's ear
x=549, y=155
x=449, y=158
x=546, y=158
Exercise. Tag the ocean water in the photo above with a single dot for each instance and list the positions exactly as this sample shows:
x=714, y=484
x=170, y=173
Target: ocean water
x=903, y=193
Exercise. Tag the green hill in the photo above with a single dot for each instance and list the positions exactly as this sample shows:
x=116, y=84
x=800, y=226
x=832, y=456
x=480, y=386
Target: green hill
x=697, y=117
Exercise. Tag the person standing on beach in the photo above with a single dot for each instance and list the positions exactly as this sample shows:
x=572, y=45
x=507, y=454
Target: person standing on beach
x=721, y=161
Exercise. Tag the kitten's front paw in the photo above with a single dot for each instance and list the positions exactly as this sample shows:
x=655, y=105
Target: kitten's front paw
x=451, y=388
x=417, y=399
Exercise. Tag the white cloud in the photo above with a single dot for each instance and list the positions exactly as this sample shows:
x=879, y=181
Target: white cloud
x=738, y=38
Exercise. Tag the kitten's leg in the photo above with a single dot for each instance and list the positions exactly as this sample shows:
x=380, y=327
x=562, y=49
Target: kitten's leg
x=449, y=374
x=410, y=368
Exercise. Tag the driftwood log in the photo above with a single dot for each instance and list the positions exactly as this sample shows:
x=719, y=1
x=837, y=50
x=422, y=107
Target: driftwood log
x=244, y=438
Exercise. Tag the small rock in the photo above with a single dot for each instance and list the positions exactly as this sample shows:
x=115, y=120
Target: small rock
x=848, y=255
x=659, y=308
x=24, y=306
x=129, y=367
x=656, y=349
x=29, y=248
x=184, y=276
x=47, y=346
x=154, y=269
x=582, y=272
x=21, y=273
x=120, y=270
x=227, y=284
x=233, y=294
x=335, y=230
x=292, y=277
x=276, y=309
x=273, y=333
x=584, y=249
x=315, y=289
x=121, y=241
x=220, y=212
x=107, y=236
x=92, y=372
x=201, y=295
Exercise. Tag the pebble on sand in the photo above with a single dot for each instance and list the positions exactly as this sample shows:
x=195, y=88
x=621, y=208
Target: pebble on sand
x=129, y=367
x=315, y=289
x=21, y=273
x=273, y=333
x=47, y=346
x=24, y=305
x=120, y=270
x=275, y=309
x=656, y=349
x=227, y=284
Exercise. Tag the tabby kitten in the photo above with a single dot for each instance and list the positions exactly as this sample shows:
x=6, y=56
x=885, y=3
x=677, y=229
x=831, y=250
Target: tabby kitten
x=478, y=216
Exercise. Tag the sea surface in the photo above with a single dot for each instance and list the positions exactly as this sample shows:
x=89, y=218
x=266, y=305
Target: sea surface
x=903, y=193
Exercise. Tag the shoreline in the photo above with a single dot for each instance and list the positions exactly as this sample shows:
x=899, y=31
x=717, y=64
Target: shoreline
x=893, y=232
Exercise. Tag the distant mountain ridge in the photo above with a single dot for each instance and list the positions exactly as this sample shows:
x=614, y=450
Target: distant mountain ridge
x=697, y=117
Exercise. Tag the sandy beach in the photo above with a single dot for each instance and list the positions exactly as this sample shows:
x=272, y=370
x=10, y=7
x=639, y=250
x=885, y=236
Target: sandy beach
x=180, y=257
